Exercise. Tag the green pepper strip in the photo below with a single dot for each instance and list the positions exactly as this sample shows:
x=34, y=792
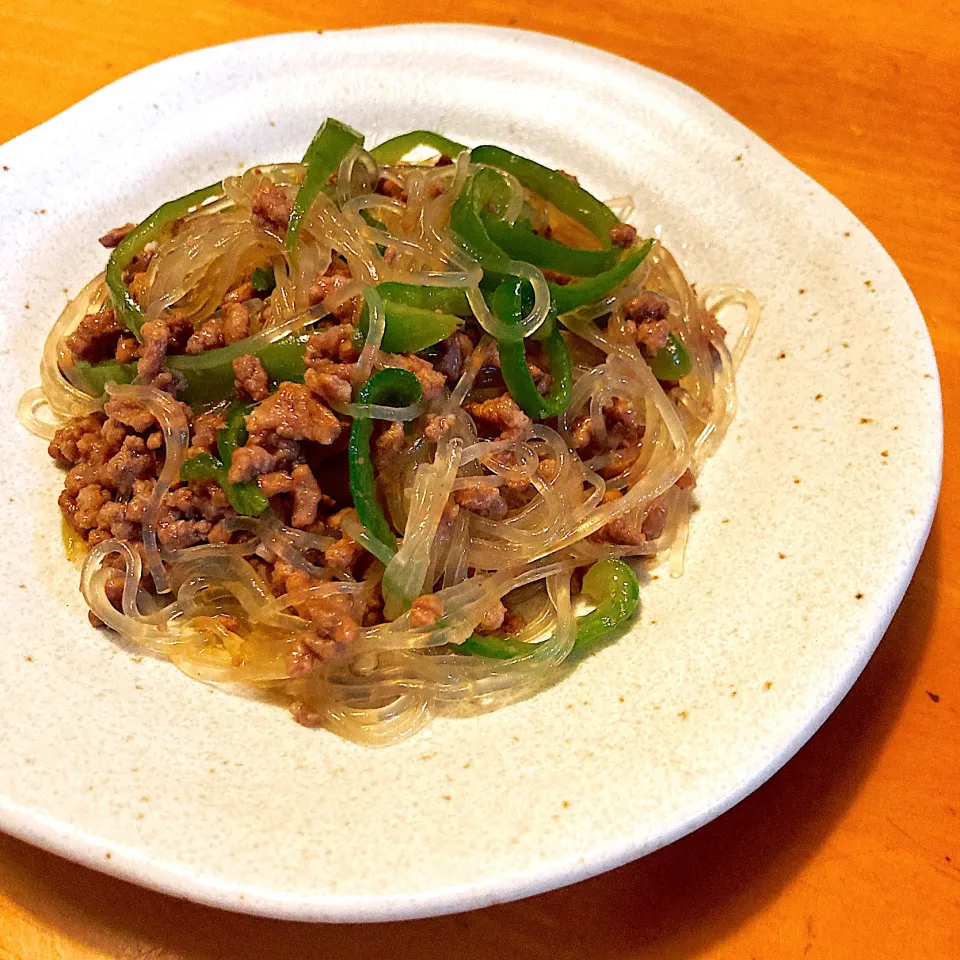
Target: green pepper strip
x=672, y=362
x=556, y=187
x=246, y=498
x=322, y=159
x=573, y=295
x=263, y=280
x=508, y=305
x=411, y=329
x=484, y=189
x=209, y=375
x=389, y=386
x=446, y=299
x=611, y=584
x=522, y=243
x=392, y=151
x=127, y=308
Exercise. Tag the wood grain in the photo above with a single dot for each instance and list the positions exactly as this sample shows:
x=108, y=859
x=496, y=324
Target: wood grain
x=853, y=849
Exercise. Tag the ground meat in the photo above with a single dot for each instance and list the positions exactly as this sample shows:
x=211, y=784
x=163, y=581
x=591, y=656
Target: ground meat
x=250, y=461
x=156, y=339
x=250, y=379
x=180, y=534
x=87, y=506
x=560, y=279
x=453, y=355
x=204, y=429
x=645, y=320
x=493, y=619
x=390, y=442
x=425, y=611
x=130, y=412
x=64, y=447
x=132, y=462
x=275, y=483
x=503, y=414
x=137, y=504
x=622, y=234
x=549, y=469
x=392, y=189
x=687, y=480
x=127, y=350
x=483, y=499
x=306, y=496
x=96, y=336
x=294, y=414
x=331, y=383
x=271, y=207
x=235, y=323
x=300, y=662
x=332, y=343
x=240, y=294
x=431, y=381
x=113, y=517
x=437, y=425
x=328, y=286
x=207, y=337
x=655, y=519
x=341, y=556
x=113, y=238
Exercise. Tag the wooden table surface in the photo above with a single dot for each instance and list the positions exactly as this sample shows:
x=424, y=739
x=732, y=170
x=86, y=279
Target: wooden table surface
x=853, y=849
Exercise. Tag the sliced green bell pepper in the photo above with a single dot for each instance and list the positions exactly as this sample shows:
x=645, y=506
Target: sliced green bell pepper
x=209, y=375
x=397, y=388
x=522, y=243
x=672, y=362
x=392, y=151
x=127, y=308
x=323, y=158
x=611, y=584
x=573, y=295
x=556, y=187
x=411, y=329
x=509, y=306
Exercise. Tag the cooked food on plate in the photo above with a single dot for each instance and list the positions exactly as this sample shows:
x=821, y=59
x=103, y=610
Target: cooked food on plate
x=383, y=433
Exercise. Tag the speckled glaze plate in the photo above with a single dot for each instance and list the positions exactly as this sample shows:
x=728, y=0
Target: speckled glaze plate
x=813, y=514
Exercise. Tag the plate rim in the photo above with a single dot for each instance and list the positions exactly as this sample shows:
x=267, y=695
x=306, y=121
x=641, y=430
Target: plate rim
x=60, y=838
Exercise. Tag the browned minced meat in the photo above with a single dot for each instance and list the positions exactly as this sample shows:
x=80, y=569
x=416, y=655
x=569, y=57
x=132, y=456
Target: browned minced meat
x=453, y=354
x=493, y=619
x=236, y=323
x=431, y=381
x=128, y=349
x=483, y=499
x=250, y=379
x=388, y=444
x=96, y=336
x=113, y=238
x=328, y=285
x=293, y=413
x=636, y=526
x=622, y=234
x=332, y=382
x=156, y=338
x=133, y=461
x=332, y=343
x=392, y=189
x=645, y=320
x=271, y=206
x=306, y=496
x=251, y=461
x=341, y=557
x=275, y=483
x=687, y=480
x=241, y=293
x=501, y=413
x=203, y=435
x=425, y=611
x=437, y=425
x=208, y=336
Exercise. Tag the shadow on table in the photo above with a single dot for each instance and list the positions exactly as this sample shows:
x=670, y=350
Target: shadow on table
x=671, y=904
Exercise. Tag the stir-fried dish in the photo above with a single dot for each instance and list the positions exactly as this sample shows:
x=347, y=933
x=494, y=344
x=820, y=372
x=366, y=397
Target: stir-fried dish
x=374, y=433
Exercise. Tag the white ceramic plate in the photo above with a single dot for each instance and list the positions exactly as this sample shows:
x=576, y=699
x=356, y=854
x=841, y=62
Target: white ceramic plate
x=813, y=513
